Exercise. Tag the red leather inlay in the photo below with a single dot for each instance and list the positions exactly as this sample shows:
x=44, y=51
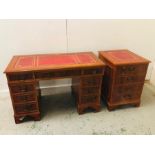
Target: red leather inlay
x=52, y=60
x=64, y=59
x=85, y=58
x=25, y=61
x=55, y=60
x=122, y=55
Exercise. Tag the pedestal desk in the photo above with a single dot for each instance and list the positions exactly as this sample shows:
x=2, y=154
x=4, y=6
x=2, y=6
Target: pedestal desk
x=123, y=78
x=25, y=71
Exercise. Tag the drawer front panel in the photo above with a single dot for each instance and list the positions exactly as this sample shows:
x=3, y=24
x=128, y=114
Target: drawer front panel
x=89, y=99
x=55, y=74
x=129, y=92
x=129, y=79
x=90, y=90
x=24, y=98
x=26, y=108
x=93, y=71
x=20, y=77
x=91, y=81
x=132, y=69
x=21, y=88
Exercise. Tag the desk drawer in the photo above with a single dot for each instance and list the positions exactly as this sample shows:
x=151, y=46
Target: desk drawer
x=22, y=87
x=21, y=98
x=93, y=71
x=91, y=81
x=26, y=108
x=90, y=90
x=57, y=74
x=20, y=77
x=132, y=69
x=129, y=92
x=89, y=99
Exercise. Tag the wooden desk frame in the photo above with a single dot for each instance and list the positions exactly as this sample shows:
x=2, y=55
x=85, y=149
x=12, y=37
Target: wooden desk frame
x=25, y=92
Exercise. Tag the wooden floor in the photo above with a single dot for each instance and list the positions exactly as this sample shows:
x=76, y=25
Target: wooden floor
x=59, y=116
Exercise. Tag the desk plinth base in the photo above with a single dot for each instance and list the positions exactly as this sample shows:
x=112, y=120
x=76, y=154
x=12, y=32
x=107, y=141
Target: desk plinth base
x=20, y=118
x=82, y=108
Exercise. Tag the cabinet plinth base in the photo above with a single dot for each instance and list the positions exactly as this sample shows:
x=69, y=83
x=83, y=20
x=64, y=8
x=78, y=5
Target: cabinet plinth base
x=113, y=107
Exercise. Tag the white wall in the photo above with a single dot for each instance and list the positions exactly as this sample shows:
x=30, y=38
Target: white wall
x=47, y=36
x=135, y=35
x=152, y=79
x=28, y=37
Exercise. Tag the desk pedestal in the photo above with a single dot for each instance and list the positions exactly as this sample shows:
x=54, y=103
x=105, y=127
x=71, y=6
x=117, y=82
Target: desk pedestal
x=25, y=94
x=87, y=92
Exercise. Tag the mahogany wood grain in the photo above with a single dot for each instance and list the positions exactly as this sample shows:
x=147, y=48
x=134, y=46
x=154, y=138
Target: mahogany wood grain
x=25, y=71
x=123, y=78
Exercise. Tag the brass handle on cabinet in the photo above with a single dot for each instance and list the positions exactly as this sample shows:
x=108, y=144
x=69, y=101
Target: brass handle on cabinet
x=128, y=96
x=130, y=79
x=132, y=68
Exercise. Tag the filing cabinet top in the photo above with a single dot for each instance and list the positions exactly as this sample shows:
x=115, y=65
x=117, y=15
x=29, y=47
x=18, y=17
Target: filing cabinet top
x=39, y=62
x=122, y=57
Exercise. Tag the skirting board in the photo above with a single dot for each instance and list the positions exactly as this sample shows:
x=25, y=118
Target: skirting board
x=152, y=79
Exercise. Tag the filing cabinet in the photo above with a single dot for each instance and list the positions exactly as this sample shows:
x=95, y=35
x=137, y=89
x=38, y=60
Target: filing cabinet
x=123, y=78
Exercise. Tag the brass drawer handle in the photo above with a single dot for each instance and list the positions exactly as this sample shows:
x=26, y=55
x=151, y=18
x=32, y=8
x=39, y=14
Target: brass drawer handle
x=88, y=91
x=132, y=68
x=29, y=107
x=24, y=98
x=128, y=96
x=125, y=69
x=23, y=89
x=130, y=79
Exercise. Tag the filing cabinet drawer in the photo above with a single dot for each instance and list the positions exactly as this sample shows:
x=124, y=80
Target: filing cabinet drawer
x=129, y=92
x=90, y=90
x=131, y=69
x=93, y=71
x=22, y=87
x=21, y=98
x=20, y=77
x=91, y=81
x=125, y=97
x=129, y=79
x=26, y=108
x=89, y=99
